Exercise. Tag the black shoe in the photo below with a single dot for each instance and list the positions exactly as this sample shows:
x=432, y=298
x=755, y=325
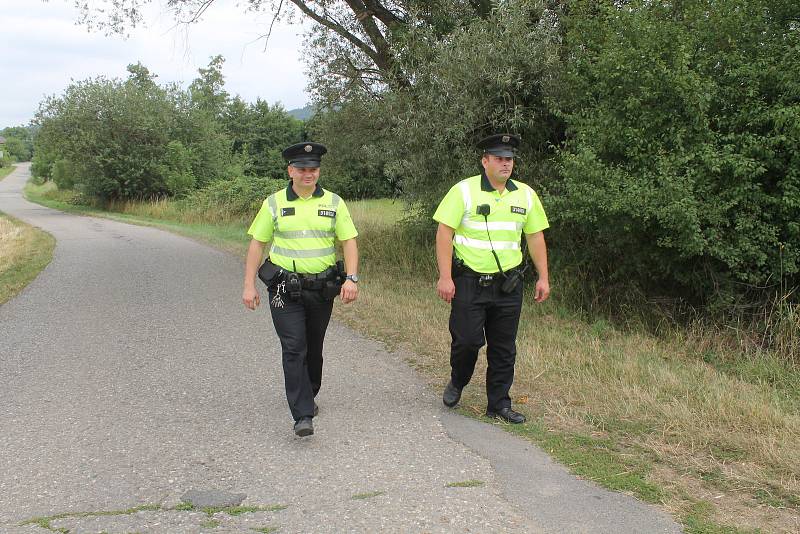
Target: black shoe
x=451, y=395
x=316, y=409
x=304, y=427
x=506, y=414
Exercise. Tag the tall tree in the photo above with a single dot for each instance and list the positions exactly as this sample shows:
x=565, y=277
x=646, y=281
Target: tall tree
x=359, y=36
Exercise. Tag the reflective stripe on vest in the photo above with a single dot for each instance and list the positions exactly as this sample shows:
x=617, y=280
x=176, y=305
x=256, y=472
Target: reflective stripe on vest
x=310, y=253
x=486, y=245
x=301, y=234
x=335, y=199
x=273, y=209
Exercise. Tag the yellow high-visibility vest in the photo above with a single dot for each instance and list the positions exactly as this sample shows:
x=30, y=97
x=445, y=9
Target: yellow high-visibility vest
x=517, y=210
x=303, y=230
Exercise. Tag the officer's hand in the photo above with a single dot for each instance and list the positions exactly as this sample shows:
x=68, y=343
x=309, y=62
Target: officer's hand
x=251, y=298
x=446, y=289
x=349, y=291
x=542, y=290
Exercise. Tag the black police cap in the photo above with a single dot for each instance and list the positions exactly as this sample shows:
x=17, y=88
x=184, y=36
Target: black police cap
x=306, y=155
x=503, y=145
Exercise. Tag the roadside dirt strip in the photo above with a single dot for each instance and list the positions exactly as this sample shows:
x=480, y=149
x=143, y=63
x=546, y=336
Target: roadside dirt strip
x=133, y=380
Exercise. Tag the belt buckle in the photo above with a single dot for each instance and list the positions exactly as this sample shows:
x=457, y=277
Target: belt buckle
x=485, y=280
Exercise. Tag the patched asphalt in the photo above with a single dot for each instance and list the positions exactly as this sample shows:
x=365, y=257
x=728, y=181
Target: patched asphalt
x=132, y=377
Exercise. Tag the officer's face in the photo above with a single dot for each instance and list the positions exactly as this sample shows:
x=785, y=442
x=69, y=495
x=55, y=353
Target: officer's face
x=497, y=168
x=304, y=176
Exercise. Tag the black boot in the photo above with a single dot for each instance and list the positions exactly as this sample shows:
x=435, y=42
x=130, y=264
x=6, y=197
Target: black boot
x=506, y=414
x=451, y=395
x=304, y=427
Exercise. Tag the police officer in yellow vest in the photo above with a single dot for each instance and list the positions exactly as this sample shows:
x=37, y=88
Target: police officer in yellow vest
x=478, y=251
x=301, y=273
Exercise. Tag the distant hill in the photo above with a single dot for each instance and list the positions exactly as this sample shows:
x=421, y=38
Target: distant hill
x=302, y=113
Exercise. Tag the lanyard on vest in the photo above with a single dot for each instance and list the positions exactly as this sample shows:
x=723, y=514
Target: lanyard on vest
x=484, y=209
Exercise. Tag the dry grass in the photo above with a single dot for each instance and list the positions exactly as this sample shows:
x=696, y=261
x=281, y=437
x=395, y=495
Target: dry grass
x=726, y=442
x=24, y=252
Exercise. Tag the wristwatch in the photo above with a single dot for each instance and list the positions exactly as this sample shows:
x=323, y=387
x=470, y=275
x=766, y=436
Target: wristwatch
x=353, y=278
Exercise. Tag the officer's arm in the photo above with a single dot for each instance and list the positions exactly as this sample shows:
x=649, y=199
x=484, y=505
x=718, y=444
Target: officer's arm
x=444, y=258
x=349, y=291
x=350, y=251
x=538, y=251
x=255, y=252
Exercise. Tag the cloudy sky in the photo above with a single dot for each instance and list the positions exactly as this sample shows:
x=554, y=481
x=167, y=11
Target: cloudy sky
x=42, y=49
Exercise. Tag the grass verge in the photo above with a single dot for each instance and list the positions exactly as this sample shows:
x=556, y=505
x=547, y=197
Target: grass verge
x=5, y=171
x=24, y=252
x=681, y=421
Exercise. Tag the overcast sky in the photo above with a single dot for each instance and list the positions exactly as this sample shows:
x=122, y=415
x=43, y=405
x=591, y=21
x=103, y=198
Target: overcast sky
x=41, y=50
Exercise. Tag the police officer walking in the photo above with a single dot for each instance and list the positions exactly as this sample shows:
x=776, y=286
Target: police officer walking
x=301, y=273
x=478, y=252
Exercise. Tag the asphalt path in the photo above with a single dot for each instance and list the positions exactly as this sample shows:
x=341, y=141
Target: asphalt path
x=131, y=374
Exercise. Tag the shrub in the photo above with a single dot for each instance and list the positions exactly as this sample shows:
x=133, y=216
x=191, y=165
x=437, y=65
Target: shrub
x=681, y=171
x=237, y=198
x=64, y=174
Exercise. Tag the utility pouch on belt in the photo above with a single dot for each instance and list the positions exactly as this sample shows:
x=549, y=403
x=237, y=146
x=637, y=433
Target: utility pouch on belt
x=333, y=285
x=458, y=267
x=293, y=286
x=511, y=282
x=269, y=272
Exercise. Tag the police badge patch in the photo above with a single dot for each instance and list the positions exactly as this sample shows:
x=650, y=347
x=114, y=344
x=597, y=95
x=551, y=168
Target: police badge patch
x=327, y=213
x=517, y=209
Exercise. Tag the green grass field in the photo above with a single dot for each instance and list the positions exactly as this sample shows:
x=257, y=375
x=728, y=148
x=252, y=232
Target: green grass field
x=683, y=420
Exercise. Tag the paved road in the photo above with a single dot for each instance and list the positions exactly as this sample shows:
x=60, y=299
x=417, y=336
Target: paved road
x=131, y=374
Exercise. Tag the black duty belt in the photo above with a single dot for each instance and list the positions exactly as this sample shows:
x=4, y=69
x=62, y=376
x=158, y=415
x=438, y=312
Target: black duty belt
x=487, y=279
x=316, y=281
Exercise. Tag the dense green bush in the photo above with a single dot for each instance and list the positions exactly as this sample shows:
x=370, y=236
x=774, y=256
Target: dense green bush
x=64, y=174
x=241, y=196
x=491, y=76
x=19, y=142
x=134, y=139
x=178, y=176
x=358, y=153
x=260, y=132
x=130, y=139
x=681, y=172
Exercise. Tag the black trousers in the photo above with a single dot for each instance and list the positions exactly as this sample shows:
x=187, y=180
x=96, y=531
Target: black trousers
x=481, y=315
x=301, y=327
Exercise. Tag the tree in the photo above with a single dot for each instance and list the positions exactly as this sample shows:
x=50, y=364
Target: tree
x=265, y=131
x=116, y=139
x=362, y=38
x=19, y=142
x=208, y=90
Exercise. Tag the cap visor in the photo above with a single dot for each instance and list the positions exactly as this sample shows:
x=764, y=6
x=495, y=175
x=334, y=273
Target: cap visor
x=501, y=152
x=305, y=164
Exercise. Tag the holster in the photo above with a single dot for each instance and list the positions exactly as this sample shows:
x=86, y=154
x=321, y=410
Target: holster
x=293, y=286
x=458, y=268
x=269, y=273
x=334, y=283
x=511, y=281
